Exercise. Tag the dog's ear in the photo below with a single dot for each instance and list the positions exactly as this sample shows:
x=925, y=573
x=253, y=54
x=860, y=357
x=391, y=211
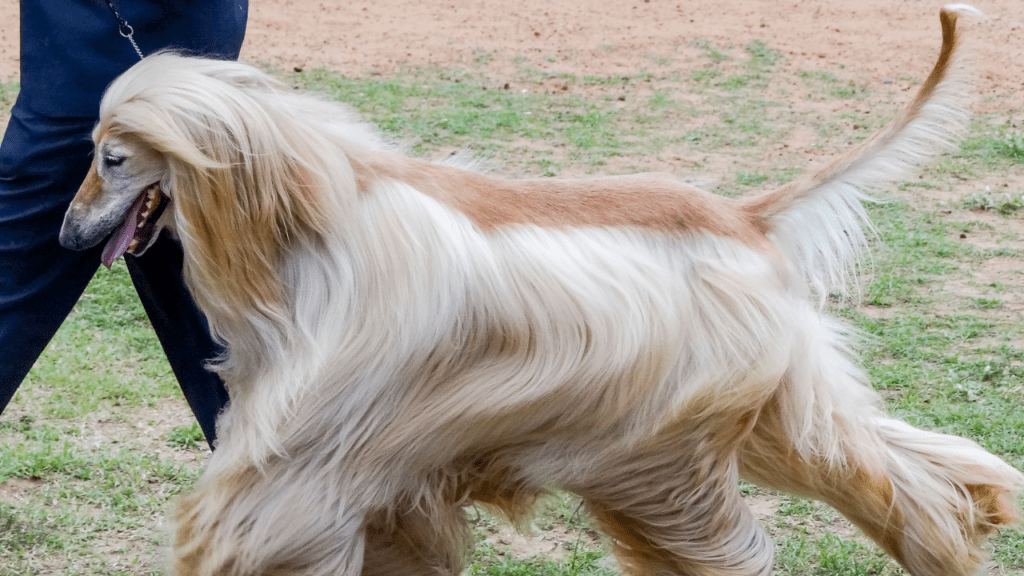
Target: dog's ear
x=242, y=206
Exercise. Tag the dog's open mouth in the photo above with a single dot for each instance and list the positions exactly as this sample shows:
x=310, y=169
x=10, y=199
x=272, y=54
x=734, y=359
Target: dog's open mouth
x=139, y=226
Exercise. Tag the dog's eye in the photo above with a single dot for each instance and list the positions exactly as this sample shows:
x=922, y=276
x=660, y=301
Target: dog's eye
x=113, y=161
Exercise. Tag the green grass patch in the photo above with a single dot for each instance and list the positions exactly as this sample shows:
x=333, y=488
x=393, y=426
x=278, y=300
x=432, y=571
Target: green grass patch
x=482, y=57
x=994, y=144
x=750, y=179
x=660, y=100
x=830, y=556
x=186, y=436
x=820, y=76
x=832, y=86
x=457, y=110
x=709, y=50
x=8, y=94
x=737, y=81
x=753, y=75
x=704, y=76
x=75, y=499
x=761, y=56
x=104, y=355
x=1004, y=203
x=489, y=561
x=918, y=248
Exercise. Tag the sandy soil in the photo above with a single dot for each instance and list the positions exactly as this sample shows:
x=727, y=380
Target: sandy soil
x=875, y=39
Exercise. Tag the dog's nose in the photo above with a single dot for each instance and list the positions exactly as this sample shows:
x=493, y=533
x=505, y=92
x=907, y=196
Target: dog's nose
x=70, y=237
x=70, y=240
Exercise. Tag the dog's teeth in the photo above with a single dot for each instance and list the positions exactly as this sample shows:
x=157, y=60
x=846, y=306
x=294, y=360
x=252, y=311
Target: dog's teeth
x=141, y=223
x=133, y=245
x=153, y=192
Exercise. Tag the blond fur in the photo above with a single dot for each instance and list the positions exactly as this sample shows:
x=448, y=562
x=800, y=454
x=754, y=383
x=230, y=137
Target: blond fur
x=406, y=338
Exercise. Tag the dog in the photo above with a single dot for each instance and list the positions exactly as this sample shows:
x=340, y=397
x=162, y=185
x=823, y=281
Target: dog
x=407, y=338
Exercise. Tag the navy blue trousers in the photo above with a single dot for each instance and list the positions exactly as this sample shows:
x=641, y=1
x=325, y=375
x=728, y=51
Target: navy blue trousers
x=70, y=51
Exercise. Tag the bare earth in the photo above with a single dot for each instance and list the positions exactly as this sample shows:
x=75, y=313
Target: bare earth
x=875, y=39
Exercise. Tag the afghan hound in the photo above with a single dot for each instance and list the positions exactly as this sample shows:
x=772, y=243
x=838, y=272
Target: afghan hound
x=406, y=338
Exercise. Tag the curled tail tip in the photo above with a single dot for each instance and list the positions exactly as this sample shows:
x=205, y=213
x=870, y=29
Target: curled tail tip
x=951, y=11
x=819, y=219
x=948, y=17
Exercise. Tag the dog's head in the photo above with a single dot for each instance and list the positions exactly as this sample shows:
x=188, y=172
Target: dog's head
x=122, y=198
x=215, y=151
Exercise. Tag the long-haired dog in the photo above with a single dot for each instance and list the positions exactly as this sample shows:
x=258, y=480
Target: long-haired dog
x=407, y=338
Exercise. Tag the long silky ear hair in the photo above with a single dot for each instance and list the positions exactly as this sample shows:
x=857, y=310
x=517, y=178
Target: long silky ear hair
x=246, y=182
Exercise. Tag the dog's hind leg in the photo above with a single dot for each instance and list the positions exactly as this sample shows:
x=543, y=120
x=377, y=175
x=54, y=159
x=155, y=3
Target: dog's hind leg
x=673, y=507
x=928, y=499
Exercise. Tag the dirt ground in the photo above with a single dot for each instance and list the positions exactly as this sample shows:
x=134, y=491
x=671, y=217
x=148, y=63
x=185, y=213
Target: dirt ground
x=875, y=39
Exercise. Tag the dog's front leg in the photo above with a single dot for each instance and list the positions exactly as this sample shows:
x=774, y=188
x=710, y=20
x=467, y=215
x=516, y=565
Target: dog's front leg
x=246, y=521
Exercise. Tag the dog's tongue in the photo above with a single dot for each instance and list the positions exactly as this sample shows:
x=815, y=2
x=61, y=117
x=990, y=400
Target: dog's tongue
x=119, y=241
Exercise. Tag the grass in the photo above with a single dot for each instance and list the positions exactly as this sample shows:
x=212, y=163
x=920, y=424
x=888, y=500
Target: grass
x=489, y=561
x=85, y=509
x=762, y=56
x=187, y=436
x=98, y=441
x=462, y=111
x=712, y=52
x=105, y=355
x=832, y=86
x=8, y=94
x=1005, y=203
x=752, y=72
x=830, y=556
x=994, y=144
x=750, y=179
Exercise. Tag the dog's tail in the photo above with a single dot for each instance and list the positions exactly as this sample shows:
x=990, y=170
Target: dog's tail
x=818, y=219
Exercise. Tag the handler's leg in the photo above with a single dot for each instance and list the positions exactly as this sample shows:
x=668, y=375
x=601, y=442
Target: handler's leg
x=70, y=52
x=181, y=328
x=206, y=27
x=42, y=161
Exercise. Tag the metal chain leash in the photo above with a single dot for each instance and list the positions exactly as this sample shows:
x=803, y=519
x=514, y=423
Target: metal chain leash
x=124, y=28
